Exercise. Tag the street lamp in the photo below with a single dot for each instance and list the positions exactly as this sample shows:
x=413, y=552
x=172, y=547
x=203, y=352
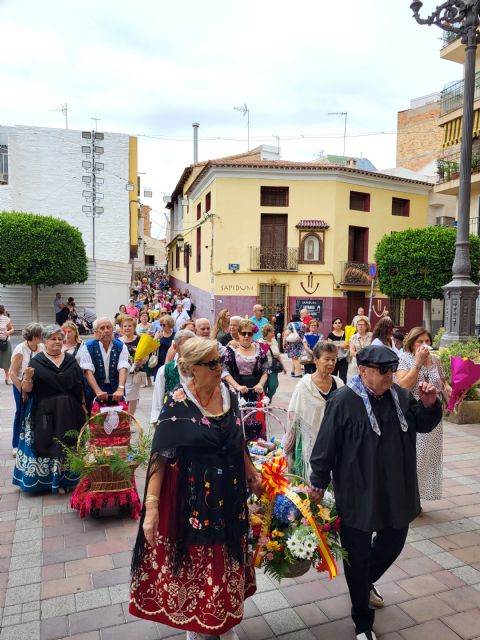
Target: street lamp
x=462, y=18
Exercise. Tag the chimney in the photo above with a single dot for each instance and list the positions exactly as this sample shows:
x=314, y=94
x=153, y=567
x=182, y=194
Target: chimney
x=195, y=126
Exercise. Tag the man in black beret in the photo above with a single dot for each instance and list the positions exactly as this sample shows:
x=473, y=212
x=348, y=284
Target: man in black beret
x=367, y=442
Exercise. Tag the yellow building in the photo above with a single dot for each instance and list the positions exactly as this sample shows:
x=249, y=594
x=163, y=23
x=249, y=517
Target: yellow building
x=450, y=120
x=251, y=228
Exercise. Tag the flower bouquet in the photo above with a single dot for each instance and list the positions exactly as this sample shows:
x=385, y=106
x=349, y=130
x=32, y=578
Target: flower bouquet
x=289, y=532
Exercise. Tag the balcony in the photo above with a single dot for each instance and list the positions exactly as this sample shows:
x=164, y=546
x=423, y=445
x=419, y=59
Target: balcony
x=264, y=259
x=355, y=273
x=451, y=98
x=448, y=37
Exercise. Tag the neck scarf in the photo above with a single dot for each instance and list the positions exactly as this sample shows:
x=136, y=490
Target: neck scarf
x=356, y=385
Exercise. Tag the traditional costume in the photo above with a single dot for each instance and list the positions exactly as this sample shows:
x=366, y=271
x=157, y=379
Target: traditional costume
x=105, y=365
x=199, y=573
x=54, y=408
x=369, y=445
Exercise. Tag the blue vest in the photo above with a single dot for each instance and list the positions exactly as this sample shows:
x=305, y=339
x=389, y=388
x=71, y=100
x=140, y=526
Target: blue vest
x=93, y=347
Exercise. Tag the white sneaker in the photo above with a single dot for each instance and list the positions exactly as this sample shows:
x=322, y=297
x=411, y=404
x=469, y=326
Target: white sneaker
x=376, y=599
x=366, y=635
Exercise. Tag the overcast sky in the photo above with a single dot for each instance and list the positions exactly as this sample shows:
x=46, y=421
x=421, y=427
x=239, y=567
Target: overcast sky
x=151, y=68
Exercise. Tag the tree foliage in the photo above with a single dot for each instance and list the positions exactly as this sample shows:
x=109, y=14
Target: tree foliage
x=417, y=263
x=40, y=250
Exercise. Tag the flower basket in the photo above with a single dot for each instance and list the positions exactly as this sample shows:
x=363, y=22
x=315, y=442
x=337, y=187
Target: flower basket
x=105, y=480
x=288, y=532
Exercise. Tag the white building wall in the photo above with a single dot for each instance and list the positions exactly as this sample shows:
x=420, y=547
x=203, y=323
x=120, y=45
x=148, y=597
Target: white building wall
x=45, y=177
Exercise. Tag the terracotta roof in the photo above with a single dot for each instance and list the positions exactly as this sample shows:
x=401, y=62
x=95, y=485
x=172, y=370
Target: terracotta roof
x=312, y=224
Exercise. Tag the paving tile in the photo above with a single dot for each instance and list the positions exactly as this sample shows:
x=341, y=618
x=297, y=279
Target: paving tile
x=311, y=614
x=461, y=599
x=110, y=578
x=8, y=621
x=446, y=560
x=59, y=606
x=65, y=586
x=432, y=630
x=92, y=599
x=427, y=547
x=52, y=544
x=123, y=559
x=30, y=616
x=467, y=574
x=121, y=593
x=27, y=631
x=53, y=572
x=264, y=583
x=31, y=606
x=24, y=576
x=88, y=565
x=108, y=548
x=422, y=585
x=426, y=608
x=284, y=621
x=64, y=555
x=23, y=562
x=139, y=629
x=96, y=619
x=256, y=629
x=465, y=624
x=24, y=548
x=339, y=630
x=418, y=566
x=91, y=635
x=26, y=593
x=448, y=578
x=302, y=634
x=270, y=601
x=391, y=618
x=250, y=609
x=54, y=628
x=79, y=539
x=304, y=593
x=27, y=535
x=335, y=608
x=469, y=555
x=12, y=610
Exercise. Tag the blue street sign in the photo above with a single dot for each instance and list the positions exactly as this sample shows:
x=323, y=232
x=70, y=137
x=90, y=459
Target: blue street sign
x=372, y=270
x=234, y=266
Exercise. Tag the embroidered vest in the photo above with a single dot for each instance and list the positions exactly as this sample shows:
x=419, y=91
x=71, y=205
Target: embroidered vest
x=172, y=376
x=93, y=347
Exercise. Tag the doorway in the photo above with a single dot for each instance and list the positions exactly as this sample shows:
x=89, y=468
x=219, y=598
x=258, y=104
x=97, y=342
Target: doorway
x=355, y=299
x=358, y=244
x=273, y=241
x=269, y=295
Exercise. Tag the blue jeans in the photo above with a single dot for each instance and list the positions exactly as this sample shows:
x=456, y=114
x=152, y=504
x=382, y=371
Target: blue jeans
x=17, y=420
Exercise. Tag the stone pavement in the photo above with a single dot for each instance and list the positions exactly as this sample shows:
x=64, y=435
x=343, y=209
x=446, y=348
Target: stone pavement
x=61, y=576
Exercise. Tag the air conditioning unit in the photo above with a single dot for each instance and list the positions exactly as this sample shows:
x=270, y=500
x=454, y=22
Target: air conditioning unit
x=445, y=221
x=3, y=178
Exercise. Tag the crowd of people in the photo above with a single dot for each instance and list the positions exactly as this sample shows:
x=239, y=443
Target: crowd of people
x=364, y=412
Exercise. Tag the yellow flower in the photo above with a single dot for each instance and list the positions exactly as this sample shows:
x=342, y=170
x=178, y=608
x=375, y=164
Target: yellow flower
x=207, y=485
x=273, y=546
x=324, y=513
x=277, y=534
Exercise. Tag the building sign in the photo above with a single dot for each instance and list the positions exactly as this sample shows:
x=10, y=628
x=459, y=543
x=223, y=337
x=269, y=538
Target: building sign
x=233, y=266
x=314, y=306
x=236, y=288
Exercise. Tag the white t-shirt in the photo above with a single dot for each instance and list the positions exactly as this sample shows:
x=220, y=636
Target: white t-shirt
x=87, y=364
x=26, y=354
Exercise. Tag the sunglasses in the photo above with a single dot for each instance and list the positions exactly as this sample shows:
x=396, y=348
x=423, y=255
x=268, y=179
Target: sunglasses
x=384, y=368
x=246, y=333
x=211, y=364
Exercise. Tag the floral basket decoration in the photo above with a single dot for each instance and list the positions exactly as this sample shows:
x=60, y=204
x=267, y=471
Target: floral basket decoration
x=289, y=532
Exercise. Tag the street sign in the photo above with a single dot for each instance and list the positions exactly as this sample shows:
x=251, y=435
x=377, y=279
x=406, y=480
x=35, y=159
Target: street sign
x=372, y=271
x=234, y=266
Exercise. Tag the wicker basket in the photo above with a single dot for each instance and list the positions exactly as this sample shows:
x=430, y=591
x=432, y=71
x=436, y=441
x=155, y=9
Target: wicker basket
x=103, y=480
x=298, y=568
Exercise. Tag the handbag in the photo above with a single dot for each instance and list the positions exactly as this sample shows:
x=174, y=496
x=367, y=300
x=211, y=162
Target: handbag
x=306, y=358
x=3, y=343
x=293, y=336
x=276, y=365
x=152, y=361
x=139, y=377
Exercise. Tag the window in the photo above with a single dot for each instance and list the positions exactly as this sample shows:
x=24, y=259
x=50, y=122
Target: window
x=400, y=207
x=397, y=311
x=199, y=248
x=171, y=253
x=311, y=247
x=3, y=164
x=359, y=201
x=177, y=257
x=274, y=196
x=199, y=210
x=208, y=202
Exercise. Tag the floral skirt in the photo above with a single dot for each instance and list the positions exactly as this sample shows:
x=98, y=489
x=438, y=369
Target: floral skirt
x=207, y=593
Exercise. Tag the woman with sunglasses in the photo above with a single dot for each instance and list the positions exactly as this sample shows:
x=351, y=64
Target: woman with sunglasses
x=248, y=370
x=418, y=365
x=191, y=569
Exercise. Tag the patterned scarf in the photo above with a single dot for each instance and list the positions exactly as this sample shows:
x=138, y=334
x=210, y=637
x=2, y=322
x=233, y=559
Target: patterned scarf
x=356, y=385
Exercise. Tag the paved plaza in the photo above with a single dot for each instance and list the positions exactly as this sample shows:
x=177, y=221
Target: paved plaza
x=61, y=576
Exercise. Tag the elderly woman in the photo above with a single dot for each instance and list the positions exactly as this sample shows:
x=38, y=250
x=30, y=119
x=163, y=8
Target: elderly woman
x=418, y=365
x=358, y=341
x=72, y=342
x=21, y=356
x=6, y=330
x=307, y=406
x=247, y=368
x=56, y=405
x=190, y=567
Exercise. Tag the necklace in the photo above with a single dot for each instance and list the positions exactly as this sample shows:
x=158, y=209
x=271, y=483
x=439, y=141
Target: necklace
x=198, y=396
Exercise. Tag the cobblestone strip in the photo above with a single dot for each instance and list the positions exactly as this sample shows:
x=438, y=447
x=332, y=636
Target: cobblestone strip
x=21, y=614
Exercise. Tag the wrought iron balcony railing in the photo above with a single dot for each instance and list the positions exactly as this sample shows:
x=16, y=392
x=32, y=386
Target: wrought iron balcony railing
x=265, y=259
x=355, y=273
x=448, y=37
x=451, y=97
x=448, y=166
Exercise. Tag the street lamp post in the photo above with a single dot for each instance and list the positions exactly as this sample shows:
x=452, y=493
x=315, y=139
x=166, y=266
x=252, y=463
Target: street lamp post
x=462, y=18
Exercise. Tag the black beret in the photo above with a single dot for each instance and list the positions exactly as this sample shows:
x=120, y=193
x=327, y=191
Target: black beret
x=377, y=356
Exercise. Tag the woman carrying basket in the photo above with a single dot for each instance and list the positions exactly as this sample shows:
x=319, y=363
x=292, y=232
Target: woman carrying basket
x=190, y=567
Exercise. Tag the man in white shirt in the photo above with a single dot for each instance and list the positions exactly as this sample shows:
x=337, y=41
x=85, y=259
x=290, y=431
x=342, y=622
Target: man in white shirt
x=187, y=303
x=202, y=327
x=179, y=316
x=105, y=363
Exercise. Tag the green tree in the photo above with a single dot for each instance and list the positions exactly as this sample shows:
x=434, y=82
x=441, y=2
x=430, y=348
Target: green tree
x=417, y=263
x=38, y=251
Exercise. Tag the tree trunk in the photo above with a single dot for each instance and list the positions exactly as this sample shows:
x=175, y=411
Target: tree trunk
x=428, y=315
x=34, y=302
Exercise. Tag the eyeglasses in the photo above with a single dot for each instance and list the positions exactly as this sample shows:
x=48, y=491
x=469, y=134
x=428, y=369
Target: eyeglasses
x=246, y=333
x=384, y=368
x=211, y=364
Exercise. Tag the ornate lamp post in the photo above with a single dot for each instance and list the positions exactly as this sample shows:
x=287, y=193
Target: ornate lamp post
x=462, y=18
